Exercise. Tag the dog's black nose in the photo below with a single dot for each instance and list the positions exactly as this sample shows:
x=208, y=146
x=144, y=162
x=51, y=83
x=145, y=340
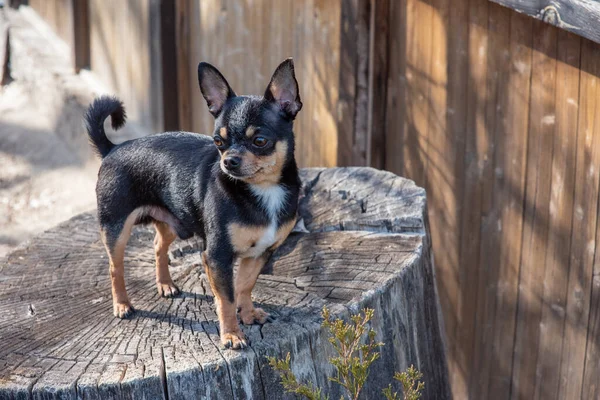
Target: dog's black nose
x=232, y=163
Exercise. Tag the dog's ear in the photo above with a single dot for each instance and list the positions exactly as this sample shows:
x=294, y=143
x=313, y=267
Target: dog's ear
x=283, y=89
x=214, y=88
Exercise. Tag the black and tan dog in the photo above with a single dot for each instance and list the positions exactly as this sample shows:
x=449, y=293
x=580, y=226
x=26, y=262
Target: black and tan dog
x=237, y=190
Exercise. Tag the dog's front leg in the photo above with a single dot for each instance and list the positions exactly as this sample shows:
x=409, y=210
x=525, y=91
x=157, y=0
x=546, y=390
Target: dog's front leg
x=220, y=277
x=245, y=280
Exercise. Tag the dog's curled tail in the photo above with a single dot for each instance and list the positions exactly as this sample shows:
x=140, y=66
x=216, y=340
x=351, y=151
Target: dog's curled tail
x=99, y=110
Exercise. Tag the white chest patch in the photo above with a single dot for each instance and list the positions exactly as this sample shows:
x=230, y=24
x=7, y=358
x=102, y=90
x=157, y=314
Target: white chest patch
x=272, y=199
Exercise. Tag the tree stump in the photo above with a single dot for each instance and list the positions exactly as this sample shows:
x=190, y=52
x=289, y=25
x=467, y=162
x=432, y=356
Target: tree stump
x=368, y=246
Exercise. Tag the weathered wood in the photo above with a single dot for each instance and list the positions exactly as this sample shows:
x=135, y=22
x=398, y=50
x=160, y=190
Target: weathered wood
x=583, y=236
x=131, y=68
x=81, y=34
x=511, y=160
x=347, y=81
x=368, y=246
x=529, y=154
x=590, y=118
x=378, y=67
x=497, y=76
x=563, y=186
x=577, y=16
x=537, y=209
x=5, y=77
x=478, y=150
x=170, y=51
x=360, y=135
x=184, y=67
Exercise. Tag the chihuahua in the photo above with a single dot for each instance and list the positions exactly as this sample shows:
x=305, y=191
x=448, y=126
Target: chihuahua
x=237, y=190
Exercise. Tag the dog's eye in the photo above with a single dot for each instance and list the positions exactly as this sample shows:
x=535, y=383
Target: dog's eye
x=218, y=141
x=260, y=141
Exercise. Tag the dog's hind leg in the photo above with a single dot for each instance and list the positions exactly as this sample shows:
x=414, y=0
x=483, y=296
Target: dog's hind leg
x=164, y=237
x=115, y=237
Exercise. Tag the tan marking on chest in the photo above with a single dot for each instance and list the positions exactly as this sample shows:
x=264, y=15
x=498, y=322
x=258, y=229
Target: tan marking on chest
x=283, y=232
x=244, y=237
x=252, y=241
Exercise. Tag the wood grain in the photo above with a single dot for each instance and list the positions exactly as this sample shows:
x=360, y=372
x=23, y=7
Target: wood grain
x=131, y=68
x=511, y=164
x=379, y=48
x=537, y=208
x=169, y=62
x=587, y=281
x=578, y=16
x=477, y=159
x=563, y=186
x=583, y=237
x=246, y=42
x=63, y=342
x=81, y=35
x=497, y=76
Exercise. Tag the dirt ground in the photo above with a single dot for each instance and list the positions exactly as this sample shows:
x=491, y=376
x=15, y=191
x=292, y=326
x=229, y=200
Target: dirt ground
x=47, y=170
x=42, y=180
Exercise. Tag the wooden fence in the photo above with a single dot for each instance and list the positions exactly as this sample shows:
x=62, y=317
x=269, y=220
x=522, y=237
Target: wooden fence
x=496, y=114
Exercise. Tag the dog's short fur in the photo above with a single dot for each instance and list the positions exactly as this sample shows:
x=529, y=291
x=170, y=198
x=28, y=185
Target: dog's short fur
x=237, y=190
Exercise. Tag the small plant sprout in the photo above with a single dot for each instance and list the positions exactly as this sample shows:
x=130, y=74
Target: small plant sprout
x=353, y=357
x=356, y=348
x=411, y=385
x=289, y=381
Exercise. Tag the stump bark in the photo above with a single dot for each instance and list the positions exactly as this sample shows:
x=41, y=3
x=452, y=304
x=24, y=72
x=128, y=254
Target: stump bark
x=367, y=245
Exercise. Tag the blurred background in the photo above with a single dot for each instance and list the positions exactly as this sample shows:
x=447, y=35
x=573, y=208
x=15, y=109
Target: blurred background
x=495, y=113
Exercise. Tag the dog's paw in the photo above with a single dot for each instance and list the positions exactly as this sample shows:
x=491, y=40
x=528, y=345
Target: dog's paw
x=235, y=340
x=254, y=315
x=123, y=310
x=167, y=289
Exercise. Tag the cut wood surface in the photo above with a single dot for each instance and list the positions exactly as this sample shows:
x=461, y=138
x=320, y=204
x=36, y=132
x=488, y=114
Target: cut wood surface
x=368, y=246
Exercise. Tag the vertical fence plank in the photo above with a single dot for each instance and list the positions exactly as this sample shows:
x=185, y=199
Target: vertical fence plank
x=477, y=158
x=511, y=163
x=452, y=176
x=170, y=65
x=418, y=64
x=185, y=68
x=309, y=154
x=561, y=212
x=81, y=34
x=497, y=76
x=347, y=81
x=397, y=100
x=444, y=154
x=378, y=67
x=537, y=206
x=326, y=63
x=303, y=45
